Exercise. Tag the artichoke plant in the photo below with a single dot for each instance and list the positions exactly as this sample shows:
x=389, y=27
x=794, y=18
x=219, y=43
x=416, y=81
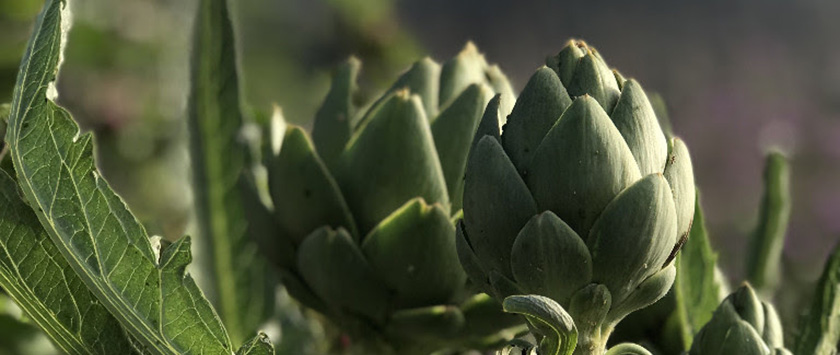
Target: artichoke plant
x=582, y=198
x=365, y=208
x=742, y=324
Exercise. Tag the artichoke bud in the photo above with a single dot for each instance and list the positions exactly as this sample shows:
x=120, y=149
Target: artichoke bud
x=422, y=79
x=620, y=79
x=333, y=121
x=583, y=71
x=589, y=306
x=742, y=324
x=565, y=62
x=366, y=207
x=581, y=195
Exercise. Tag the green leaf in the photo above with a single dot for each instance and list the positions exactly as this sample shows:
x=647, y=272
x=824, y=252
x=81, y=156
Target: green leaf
x=156, y=301
x=819, y=328
x=765, y=248
x=20, y=334
x=239, y=283
x=34, y=273
x=696, y=291
x=258, y=345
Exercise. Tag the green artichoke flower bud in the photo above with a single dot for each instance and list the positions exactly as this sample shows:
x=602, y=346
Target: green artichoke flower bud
x=581, y=197
x=742, y=324
x=365, y=207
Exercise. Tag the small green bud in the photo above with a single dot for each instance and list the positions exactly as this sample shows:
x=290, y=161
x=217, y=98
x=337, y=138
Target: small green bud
x=742, y=324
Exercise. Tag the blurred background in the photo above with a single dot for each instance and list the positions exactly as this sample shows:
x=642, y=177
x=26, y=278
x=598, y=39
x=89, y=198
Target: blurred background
x=739, y=77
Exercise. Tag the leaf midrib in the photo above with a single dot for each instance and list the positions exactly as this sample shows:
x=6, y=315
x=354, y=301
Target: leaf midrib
x=119, y=307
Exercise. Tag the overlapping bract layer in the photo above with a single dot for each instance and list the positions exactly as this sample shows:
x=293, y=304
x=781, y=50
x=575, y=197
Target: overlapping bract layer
x=367, y=204
x=581, y=195
x=742, y=324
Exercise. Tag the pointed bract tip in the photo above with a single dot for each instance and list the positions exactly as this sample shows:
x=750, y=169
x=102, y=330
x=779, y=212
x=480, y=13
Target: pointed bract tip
x=469, y=49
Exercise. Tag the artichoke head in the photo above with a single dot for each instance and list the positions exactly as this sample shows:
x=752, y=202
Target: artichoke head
x=580, y=197
x=742, y=324
x=365, y=207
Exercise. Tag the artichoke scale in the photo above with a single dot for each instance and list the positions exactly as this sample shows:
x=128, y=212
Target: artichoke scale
x=635, y=119
x=538, y=107
x=593, y=77
x=459, y=72
x=497, y=205
x=548, y=258
x=422, y=79
x=413, y=252
x=391, y=159
x=452, y=131
x=333, y=125
x=634, y=236
x=581, y=165
x=680, y=176
x=305, y=195
x=335, y=269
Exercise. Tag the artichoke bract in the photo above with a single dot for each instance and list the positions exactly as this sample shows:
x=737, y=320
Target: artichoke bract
x=742, y=324
x=581, y=198
x=366, y=207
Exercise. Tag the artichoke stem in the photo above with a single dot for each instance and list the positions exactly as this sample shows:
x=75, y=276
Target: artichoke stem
x=593, y=341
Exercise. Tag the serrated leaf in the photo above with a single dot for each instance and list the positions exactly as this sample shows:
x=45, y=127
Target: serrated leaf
x=696, y=291
x=239, y=283
x=258, y=345
x=34, y=273
x=767, y=242
x=819, y=328
x=155, y=300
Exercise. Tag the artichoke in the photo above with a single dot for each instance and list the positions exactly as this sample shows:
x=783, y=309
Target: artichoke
x=365, y=208
x=582, y=198
x=742, y=324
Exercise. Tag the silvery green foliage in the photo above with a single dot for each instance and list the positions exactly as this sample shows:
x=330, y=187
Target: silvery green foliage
x=364, y=208
x=238, y=281
x=742, y=324
x=581, y=198
x=78, y=261
x=819, y=328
